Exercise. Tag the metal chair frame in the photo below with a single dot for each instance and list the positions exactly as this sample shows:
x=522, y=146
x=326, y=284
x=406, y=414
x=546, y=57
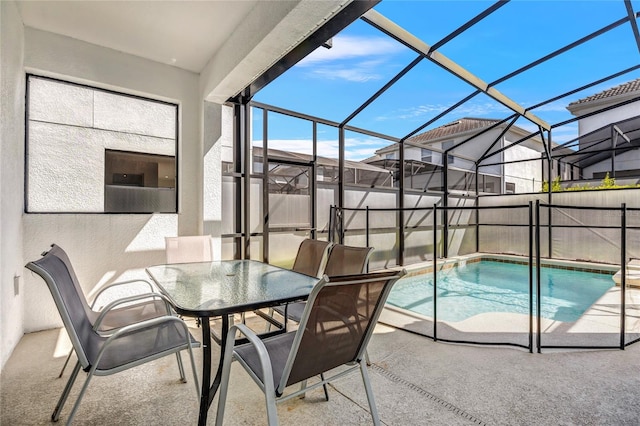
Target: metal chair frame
x=111, y=310
x=333, y=267
x=275, y=394
x=92, y=367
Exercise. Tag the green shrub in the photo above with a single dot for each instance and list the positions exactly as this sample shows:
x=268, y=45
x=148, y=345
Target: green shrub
x=607, y=183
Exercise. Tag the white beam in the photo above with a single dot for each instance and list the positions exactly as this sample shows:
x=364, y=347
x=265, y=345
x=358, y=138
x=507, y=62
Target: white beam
x=402, y=35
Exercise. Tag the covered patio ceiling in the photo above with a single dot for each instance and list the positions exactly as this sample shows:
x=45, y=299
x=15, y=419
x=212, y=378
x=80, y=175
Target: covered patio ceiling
x=227, y=42
x=183, y=34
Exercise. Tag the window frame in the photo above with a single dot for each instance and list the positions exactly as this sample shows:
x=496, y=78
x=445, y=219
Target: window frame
x=426, y=158
x=29, y=76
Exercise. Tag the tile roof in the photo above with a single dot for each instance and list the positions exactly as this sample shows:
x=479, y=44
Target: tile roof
x=454, y=128
x=628, y=87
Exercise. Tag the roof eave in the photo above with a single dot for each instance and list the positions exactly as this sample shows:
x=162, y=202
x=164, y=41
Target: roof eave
x=583, y=107
x=468, y=133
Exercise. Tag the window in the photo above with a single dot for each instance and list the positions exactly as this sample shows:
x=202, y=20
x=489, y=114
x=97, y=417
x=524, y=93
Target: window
x=510, y=187
x=427, y=155
x=93, y=151
x=139, y=182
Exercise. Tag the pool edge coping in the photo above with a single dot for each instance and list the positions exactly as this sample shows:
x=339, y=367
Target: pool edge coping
x=572, y=265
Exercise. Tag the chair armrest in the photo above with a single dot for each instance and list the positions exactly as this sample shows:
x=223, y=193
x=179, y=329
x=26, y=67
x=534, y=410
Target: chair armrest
x=148, y=323
x=102, y=290
x=261, y=349
x=248, y=333
x=141, y=325
x=130, y=299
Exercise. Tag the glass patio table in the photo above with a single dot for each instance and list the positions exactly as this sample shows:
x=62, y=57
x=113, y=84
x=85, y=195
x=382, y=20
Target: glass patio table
x=220, y=288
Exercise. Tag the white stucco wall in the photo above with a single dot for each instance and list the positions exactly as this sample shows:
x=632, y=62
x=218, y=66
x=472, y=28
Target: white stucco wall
x=526, y=175
x=11, y=176
x=103, y=247
x=66, y=58
x=218, y=133
x=597, y=121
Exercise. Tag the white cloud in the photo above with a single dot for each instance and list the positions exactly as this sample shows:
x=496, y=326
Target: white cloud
x=414, y=112
x=483, y=109
x=352, y=58
x=355, y=149
x=350, y=47
x=357, y=73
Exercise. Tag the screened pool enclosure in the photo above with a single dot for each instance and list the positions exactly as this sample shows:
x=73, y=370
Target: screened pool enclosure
x=440, y=152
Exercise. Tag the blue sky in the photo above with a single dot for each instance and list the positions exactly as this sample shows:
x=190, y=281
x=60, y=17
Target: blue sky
x=332, y=83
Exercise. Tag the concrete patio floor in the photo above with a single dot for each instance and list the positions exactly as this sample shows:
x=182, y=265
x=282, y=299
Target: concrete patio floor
x=415, y=381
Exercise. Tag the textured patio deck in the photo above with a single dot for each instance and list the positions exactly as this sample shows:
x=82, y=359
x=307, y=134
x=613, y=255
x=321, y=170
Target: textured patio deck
x=415, y=380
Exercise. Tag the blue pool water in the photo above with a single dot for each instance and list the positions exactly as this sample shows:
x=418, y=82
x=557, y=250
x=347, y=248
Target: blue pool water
x=489, y=286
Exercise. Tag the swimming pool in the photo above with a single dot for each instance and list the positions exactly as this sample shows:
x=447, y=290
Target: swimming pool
x=491, y=286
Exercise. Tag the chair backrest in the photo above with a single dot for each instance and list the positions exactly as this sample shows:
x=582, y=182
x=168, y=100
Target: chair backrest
x=337, y=323
x=58, y=252
x=188, y=249
x=311, y=257
x=70, y=301
x=347, y=260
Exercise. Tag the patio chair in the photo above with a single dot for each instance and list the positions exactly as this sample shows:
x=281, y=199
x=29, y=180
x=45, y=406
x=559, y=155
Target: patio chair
x=347, y=260
x=186, y=249
x=343, y=260
x=310, y=260
x=311, y=257
x=334, y=331
x=120, y=312
x=101, y=355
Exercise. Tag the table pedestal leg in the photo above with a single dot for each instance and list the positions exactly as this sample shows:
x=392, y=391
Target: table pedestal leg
x=209, y=389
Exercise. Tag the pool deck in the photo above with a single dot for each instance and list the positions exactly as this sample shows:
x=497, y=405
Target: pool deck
x=416, y=382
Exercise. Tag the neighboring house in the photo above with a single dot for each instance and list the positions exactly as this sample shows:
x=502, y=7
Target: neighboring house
x=616, y=127
x=504, y=172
